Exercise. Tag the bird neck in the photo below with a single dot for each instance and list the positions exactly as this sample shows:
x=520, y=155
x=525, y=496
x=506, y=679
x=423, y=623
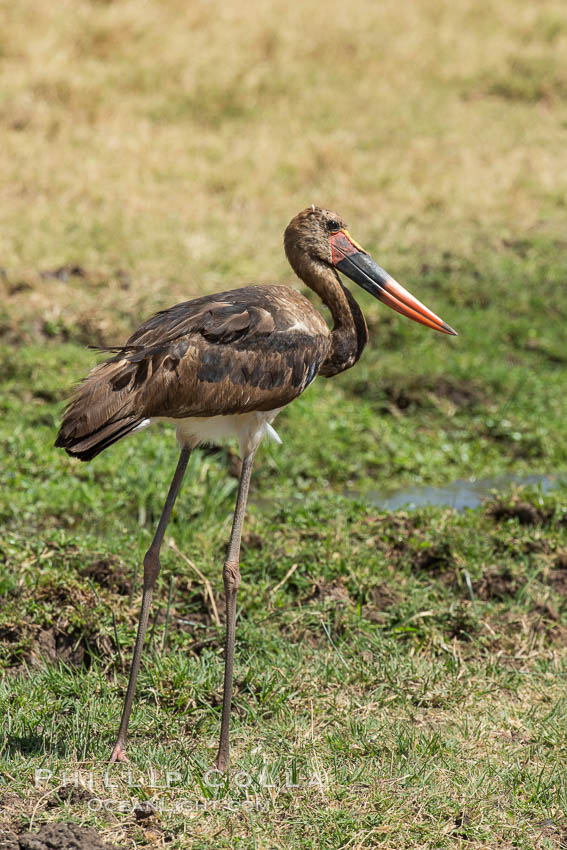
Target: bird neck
x=349, y=334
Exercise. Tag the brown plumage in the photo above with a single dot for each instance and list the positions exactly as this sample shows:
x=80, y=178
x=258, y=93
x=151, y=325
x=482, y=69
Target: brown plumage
x=224, y=365
x=249, y=349
x=234, y=352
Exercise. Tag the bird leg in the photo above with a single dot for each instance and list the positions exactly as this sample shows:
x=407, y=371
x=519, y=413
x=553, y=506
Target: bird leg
x=151, y=571
x=231, y=577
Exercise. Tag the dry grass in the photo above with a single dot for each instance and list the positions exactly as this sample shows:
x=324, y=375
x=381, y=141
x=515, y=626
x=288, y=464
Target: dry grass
x=159, y=149
x=174, y=141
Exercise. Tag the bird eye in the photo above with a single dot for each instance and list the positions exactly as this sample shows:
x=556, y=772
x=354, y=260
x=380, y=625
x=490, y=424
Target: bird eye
x=333, y=225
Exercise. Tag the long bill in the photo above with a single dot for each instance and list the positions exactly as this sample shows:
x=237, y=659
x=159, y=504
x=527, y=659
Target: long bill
x=353, y=261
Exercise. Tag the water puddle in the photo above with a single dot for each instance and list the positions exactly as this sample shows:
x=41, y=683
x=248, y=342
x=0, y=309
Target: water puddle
x=461, y=494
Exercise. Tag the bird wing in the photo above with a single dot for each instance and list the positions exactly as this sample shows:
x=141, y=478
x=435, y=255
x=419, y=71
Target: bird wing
x=255, y=348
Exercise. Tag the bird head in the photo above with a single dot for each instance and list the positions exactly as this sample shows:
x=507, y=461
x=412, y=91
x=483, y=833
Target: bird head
x=320, y=238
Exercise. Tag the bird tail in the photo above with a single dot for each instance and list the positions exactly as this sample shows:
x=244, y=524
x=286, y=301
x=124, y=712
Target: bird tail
x=99, y=413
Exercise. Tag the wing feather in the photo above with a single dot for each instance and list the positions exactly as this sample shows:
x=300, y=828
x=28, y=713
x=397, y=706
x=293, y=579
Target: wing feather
x=217, y=355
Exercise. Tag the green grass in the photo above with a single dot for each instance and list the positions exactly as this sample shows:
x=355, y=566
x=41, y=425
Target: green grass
x=409, y=669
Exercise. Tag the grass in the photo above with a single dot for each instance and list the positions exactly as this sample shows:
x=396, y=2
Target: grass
x=400, y=678
x=410, y=669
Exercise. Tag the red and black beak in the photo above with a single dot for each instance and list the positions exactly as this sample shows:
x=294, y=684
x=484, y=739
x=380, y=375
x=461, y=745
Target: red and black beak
x=350, y=259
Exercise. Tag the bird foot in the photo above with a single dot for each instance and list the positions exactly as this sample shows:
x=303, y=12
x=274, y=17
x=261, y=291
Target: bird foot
x=220, y=764
x=119, y=753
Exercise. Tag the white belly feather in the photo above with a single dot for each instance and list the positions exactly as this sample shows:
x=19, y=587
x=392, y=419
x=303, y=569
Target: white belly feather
x=248, y=428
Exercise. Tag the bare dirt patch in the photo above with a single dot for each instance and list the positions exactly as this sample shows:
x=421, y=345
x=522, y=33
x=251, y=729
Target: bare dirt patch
x=460, y=625
x=52, y=645
x=524, y=512
x=558, y=581
x=497, y=584
x=109, y=572
x=330, y=590
x=37, y=645
x=403, y=393
x=55, y=836
x=68, y=794
x=436, y=559
x=252, y=541
x=379, y=599
x=519, y=632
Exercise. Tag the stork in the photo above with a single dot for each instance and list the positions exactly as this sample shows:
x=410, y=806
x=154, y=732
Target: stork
x=224, y=366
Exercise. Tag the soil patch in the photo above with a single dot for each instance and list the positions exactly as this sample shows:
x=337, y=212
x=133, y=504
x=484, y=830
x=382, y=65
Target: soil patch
x=64, y=272
x=252, y=541
x=404, y=394
x=68, y=794
x=333, y=590
x=557, y=577
x=524, y=512
x=52, y=645
x=380, y=598
x=109, y=572
x=436, y=559
x=496, y=584
x=558, y=581
x=73, y=648
x=460, y=626
x=55, y=836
